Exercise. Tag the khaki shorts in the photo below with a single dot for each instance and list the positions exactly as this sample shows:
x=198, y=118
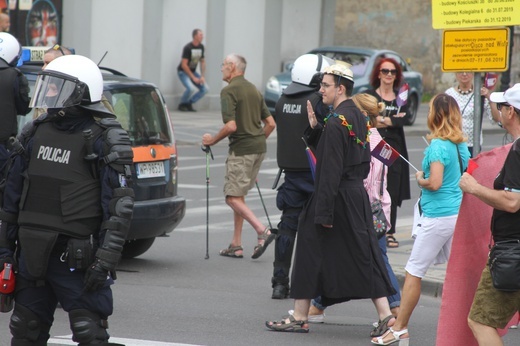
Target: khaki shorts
x=241, y=172
x=492, y=307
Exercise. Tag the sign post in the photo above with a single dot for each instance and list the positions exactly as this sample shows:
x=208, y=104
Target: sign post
x=475, y=50
x=456, y=14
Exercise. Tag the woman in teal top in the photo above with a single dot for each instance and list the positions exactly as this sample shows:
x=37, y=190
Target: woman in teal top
x=445, y=159
x=445, y=201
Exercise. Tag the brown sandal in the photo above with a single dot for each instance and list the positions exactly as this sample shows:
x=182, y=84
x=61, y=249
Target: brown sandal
x=382, y=326
x=293, y=326
x=391, y=242
x=231, y=251
x=260, y=248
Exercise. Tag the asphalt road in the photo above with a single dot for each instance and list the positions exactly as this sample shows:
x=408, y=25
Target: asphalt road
x=172, y=295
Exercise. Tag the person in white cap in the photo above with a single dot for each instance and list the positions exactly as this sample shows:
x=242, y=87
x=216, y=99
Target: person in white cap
x=492, y=309
x=337, y=253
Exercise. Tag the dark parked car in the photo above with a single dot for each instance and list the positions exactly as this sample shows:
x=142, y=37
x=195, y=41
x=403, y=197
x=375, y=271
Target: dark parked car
x=362, y=61
x=142, y=111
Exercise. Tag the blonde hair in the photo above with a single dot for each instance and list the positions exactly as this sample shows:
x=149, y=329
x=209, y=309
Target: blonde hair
x=444, y=119
x=368, y=104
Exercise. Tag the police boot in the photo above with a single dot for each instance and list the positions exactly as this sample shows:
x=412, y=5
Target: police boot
x=280, y=288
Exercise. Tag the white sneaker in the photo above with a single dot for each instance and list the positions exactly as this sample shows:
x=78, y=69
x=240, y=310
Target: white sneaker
x=313, y=318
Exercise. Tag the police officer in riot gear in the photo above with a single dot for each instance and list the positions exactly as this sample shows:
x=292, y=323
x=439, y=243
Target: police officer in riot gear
x=291, y=119
x=14, y=92
x=67, y=207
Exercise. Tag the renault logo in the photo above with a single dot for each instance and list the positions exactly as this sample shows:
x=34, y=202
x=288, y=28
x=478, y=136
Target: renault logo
x=153, y=153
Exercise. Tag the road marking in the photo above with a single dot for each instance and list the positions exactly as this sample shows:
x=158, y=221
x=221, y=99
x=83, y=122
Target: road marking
x=67, y=340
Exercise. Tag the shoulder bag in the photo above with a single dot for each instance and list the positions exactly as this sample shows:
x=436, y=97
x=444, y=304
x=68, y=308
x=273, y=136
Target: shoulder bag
x=378, y=215
x=504, y=265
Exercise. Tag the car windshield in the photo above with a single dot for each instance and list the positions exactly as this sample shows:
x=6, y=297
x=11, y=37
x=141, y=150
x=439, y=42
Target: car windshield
x=140, y=112
x=358, y=61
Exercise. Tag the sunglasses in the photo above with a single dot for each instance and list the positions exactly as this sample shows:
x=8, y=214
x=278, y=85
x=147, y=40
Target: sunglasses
x=386, y=71
x=500, y=105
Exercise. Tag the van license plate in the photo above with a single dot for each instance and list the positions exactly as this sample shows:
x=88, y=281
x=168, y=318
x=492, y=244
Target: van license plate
x=150, y=170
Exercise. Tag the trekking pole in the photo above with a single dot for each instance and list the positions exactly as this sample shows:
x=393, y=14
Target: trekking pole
x=263, y=204
x=209, y=153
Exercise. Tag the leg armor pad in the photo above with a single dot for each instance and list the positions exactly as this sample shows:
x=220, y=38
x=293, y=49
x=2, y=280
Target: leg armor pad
x=88, y=328
x=284, y=247
x=26, y=327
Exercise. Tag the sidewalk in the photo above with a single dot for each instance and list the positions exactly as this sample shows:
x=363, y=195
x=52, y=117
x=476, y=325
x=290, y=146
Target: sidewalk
x=189, y=127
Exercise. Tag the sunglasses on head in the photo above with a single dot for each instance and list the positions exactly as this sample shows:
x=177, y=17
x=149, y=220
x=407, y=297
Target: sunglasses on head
x=57, y=47
x=386, y=71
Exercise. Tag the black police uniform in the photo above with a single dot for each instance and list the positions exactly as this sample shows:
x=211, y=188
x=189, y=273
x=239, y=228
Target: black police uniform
x=75, y=211
x=14, y=100
x=291, y=123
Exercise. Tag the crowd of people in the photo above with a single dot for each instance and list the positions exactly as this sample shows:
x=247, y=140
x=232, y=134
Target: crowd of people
x=326, y=207
x=322, y=215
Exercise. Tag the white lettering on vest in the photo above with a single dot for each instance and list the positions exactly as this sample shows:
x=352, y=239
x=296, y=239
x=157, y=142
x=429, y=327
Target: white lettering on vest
x=53, y=154
x=292, y=109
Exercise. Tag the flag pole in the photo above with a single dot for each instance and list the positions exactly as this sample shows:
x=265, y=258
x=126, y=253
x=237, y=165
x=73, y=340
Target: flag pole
x=409, y=163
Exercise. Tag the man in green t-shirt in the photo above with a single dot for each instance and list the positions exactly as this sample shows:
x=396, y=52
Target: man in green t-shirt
x=243, y=112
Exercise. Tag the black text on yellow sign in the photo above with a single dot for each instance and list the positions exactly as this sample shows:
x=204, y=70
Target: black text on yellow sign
x=456, y=14
x=475, y=50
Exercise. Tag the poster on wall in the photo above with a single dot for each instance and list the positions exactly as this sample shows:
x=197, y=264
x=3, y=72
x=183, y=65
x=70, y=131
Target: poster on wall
x=34, y=22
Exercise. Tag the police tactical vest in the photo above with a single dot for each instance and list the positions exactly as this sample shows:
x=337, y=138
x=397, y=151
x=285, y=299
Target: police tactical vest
x=291, y=122
x=7, y=104
x=60, y=192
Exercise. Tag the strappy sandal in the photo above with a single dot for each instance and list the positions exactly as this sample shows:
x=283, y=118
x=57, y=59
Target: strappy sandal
x=396, y=337
x=260, y=248
x=381, y=327
x=231, y=251
x=293, y=326
x=391, y=242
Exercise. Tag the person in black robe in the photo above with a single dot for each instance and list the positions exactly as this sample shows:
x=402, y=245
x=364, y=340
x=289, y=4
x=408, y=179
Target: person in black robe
x=337, y=254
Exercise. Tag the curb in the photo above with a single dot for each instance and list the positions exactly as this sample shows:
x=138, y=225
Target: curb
x=429, y=287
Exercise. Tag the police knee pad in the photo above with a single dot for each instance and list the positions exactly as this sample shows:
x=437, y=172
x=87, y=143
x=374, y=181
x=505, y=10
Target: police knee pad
x=26, y=327
x=88, y=328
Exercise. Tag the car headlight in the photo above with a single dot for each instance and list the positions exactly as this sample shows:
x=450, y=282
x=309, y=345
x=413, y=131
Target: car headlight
x=273, y=85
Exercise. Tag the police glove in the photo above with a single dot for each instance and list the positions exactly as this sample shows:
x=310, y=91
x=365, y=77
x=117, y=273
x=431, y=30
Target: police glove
x=6, y=259
x=95, y=276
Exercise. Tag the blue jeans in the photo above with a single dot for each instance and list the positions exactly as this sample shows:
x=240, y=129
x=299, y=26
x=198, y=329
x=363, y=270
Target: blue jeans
x=393, y=300
x=188, y=84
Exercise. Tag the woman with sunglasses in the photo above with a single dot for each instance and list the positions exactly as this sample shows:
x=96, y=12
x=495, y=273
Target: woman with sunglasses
x=385, y=79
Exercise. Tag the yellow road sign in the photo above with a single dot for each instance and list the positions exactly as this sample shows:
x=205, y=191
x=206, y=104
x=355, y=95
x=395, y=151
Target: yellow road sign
x=475, y=50
x=456, y=14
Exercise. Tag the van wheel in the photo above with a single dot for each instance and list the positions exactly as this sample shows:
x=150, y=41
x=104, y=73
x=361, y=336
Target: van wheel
x=136, y=247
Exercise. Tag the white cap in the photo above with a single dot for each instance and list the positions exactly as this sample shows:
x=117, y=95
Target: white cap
x=510, y=96
x=340, y=69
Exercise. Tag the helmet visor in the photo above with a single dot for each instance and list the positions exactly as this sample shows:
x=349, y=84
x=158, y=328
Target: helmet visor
x=57, y=90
